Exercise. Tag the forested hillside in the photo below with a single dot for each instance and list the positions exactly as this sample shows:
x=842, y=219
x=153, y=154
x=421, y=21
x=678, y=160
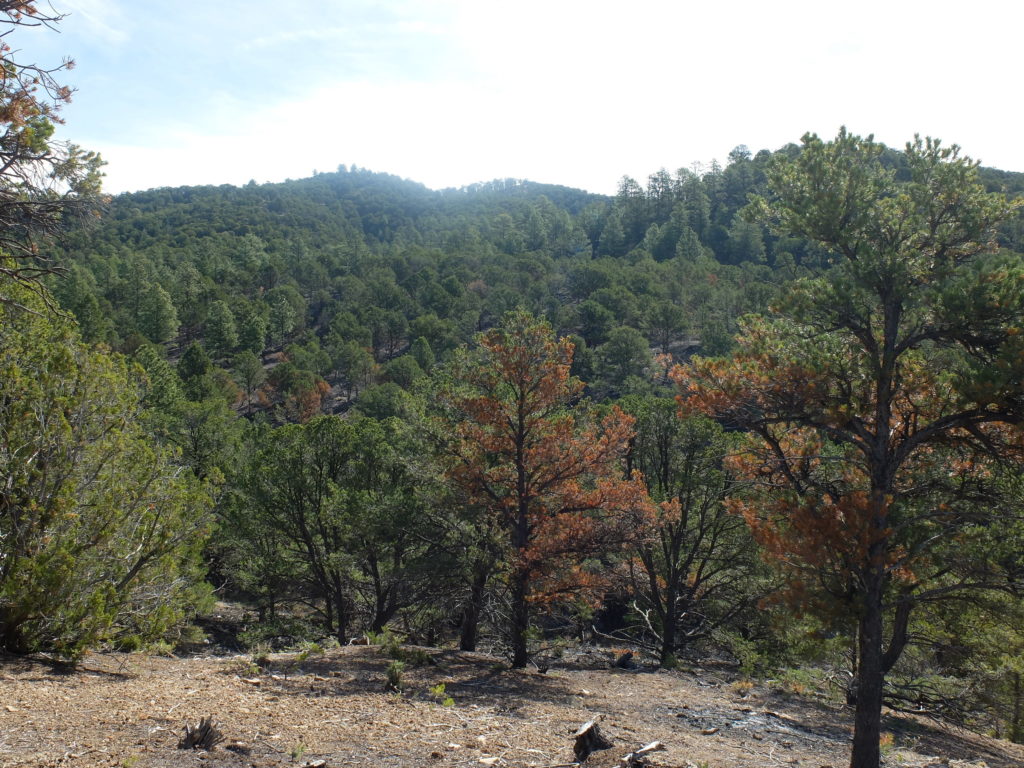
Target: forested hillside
x=257, y=311
x=766, y=415
x=386, y=261
x=399, y=262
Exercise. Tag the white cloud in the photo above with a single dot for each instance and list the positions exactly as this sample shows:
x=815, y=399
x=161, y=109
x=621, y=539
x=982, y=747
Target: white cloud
x=103, y=18
x=441, y=134
x=291, y=37
x=581, y=93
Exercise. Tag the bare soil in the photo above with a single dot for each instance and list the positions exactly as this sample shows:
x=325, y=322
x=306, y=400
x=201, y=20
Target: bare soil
x=130, y=711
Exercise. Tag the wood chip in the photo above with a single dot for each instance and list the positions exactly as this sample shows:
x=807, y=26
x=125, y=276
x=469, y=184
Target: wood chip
x=523, y=720
x=779, y=715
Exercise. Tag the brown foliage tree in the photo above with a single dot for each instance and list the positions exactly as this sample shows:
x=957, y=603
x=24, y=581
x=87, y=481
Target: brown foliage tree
x=880, y=396
x=554, y=484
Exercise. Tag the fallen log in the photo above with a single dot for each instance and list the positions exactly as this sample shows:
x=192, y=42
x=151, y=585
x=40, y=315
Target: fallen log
x=639, y=758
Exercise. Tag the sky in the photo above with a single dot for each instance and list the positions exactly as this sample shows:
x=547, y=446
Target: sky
x=580, y=93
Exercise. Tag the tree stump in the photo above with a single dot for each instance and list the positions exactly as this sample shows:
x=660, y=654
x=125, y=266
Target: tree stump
x=589, y=739
x=625, y=661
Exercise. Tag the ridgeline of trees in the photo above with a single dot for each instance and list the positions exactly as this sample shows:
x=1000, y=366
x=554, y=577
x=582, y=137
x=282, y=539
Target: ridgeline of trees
x=771, y=409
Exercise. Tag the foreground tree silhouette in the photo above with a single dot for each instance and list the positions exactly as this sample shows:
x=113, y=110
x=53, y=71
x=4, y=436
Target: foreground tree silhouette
x=880, y=395
x=101, y=532
x=553, y=483
x=42, y=180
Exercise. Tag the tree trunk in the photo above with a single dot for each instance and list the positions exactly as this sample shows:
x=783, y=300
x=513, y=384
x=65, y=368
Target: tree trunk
x=472, y=610
x=668, y=629
x=340, y=613
x=520, y=541
x=867, y=727
x=384, y=608
x=470, y=623
x=520, y=618
x=382, y=603
x=1017, y=724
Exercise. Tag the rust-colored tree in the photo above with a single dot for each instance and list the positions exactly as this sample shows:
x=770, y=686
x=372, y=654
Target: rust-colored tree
x=526, y=452
x=881, y=396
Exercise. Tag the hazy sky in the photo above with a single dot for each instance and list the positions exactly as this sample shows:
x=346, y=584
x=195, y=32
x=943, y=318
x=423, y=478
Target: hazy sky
x=451, y=92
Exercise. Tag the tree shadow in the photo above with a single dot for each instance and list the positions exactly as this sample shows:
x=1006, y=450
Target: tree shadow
x=469, y=678
x=37, y=667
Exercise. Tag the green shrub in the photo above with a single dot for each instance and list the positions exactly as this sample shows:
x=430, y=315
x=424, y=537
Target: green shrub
x=393, y=676
x=391, y=647
x=437, y=692
x=308, y=649
x=278, y=634
x=101, y=532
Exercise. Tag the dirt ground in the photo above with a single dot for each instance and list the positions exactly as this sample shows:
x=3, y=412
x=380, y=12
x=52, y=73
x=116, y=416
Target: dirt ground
x=129, y=711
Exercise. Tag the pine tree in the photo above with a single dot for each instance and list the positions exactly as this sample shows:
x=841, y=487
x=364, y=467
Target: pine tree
x=158, y=320
x=880, y=395
x=552, y=483
x=221, y=332
x=100, y=531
